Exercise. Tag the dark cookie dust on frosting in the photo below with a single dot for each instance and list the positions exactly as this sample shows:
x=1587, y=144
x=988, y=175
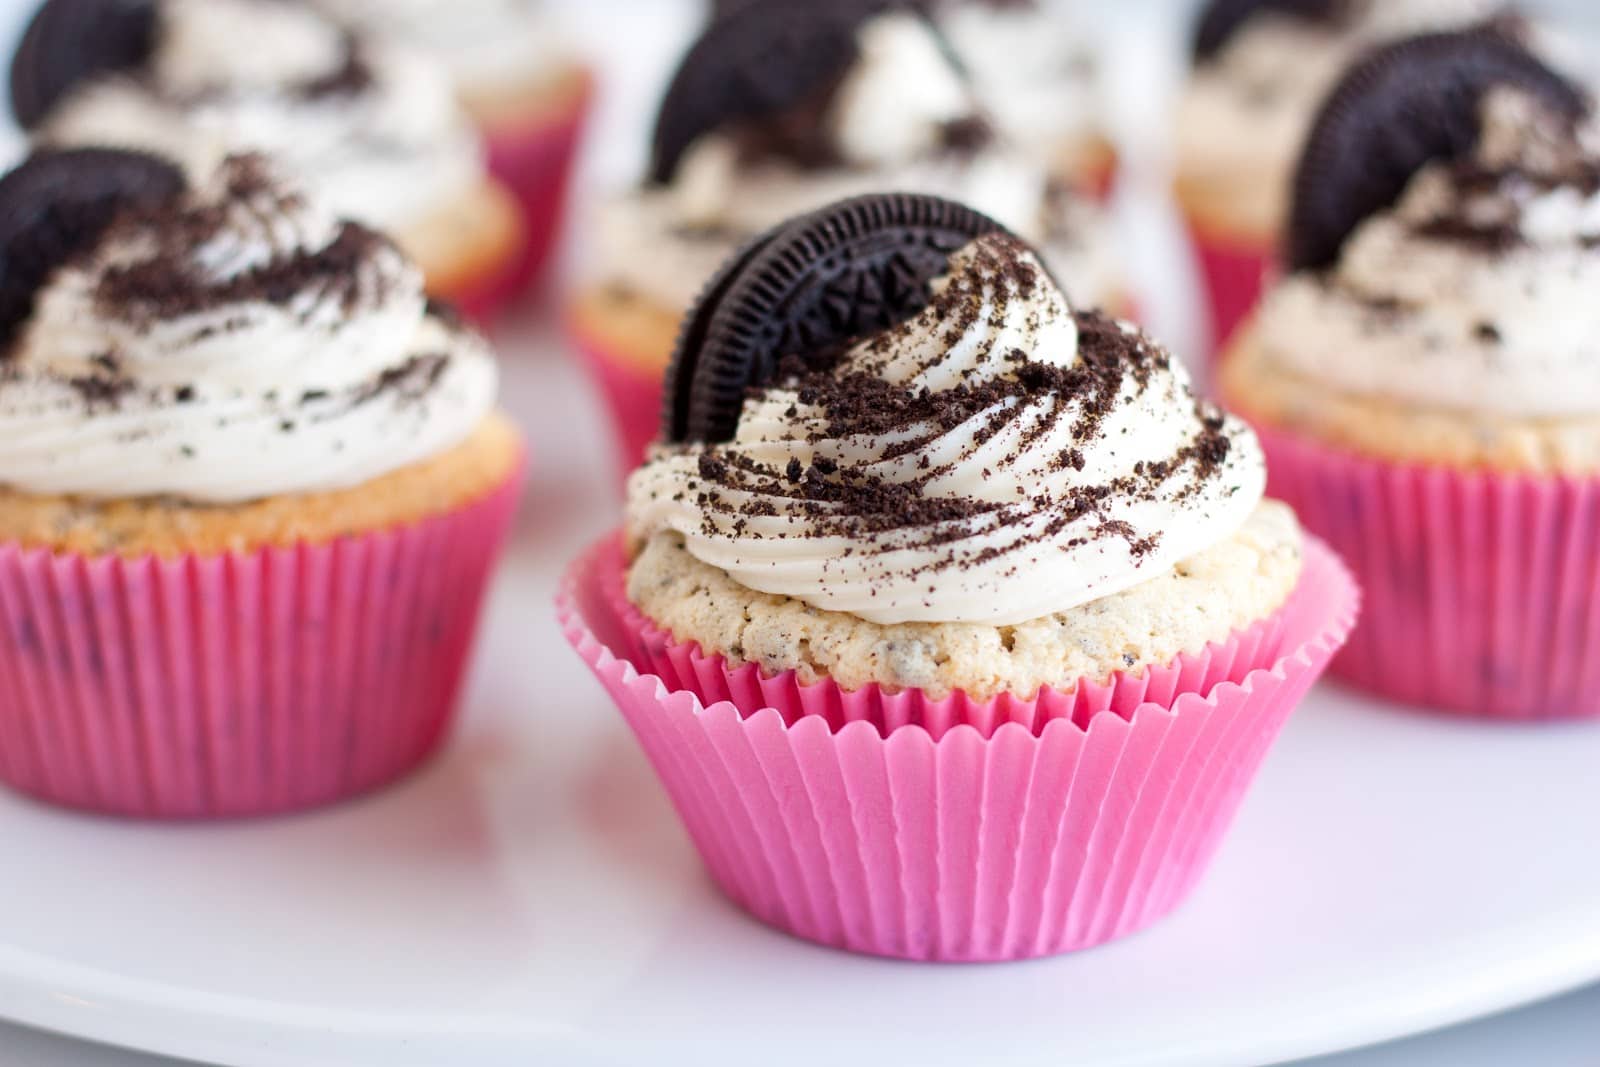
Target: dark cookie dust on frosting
x=996, y=458
x=238, y=342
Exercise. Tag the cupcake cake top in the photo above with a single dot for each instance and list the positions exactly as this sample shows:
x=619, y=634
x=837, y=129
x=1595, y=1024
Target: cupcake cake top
x=374, y=127
x=1447, y=257
x=220, y=340
x=1262, y=67
x=781, y=108
x=484, y=44
x=889, y=408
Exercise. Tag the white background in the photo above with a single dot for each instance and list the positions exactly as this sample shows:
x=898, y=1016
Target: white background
x=639, y=39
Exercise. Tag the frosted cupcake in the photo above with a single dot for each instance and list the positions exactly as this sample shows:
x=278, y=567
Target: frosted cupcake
x=778, y=109
x=1039, y=70
x=1423, y=377
x=939, y=579
x=520, y=80
x=372, y=128
x=251, y=488
x=1261, y=69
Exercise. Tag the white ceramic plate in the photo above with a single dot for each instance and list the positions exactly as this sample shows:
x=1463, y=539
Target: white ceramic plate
x=530, y=898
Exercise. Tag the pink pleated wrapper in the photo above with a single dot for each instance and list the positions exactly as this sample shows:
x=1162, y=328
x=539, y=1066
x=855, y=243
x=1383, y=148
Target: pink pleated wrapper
x=956, y=830
x=536, y=162
x=1482, y=589
x=241, y=684
x=632, y=396
x=1232, y=274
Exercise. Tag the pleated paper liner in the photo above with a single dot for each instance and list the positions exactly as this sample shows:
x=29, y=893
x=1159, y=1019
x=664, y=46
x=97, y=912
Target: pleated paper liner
x=632, y=395
x=1233, y=273
x=536, y=162
x=1482, y=589
x=240, y=684
x=968, y=832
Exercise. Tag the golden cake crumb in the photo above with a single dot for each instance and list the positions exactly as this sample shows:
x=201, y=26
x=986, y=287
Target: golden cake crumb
x=168, y=527
x=629, y=326
x=1205, y=598
x=462, y=243
x=1266, y=391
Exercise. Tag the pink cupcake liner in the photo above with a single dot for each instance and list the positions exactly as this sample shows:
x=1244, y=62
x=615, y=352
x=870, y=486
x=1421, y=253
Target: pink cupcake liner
x=1483, y=589
x=1232, y=273
x=536, y=162
x=632, y=396
x=482, y=298
x=955, y=830
x=239, y=684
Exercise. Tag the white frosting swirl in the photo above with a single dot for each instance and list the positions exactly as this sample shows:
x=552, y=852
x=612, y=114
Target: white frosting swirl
x=886, y=119
x=383, y=140
x=1246, y=110
x=1476, y=292
x=486, y=45
x=1028, y=461
x=241, y=344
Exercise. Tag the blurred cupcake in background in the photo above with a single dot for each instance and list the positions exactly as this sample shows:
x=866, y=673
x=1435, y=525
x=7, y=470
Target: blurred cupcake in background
x=775, y=110
x=372, y=127
x=1424, y=377
x=519, y=78
x=252, y=485
x=1037, y=66
x=1261, y=69
x=937, y=578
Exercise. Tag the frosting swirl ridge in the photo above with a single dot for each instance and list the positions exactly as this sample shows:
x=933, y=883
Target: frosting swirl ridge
x=996, y=458
x=239, y=343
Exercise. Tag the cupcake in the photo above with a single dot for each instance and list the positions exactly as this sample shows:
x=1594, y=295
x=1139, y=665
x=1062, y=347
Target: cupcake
x=953, y=623
x=520, y=81
x=251, y=488
x=372, y=128
x=1261, y=69
x=779, y=109
x=1422, y=379
x=1040, y=71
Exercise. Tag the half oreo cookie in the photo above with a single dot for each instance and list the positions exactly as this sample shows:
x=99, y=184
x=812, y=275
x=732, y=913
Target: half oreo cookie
x=808, y=289
x=55, y=205
x=1221, y=19
x=70, y=42
x=1400, y=108
x=761, y=61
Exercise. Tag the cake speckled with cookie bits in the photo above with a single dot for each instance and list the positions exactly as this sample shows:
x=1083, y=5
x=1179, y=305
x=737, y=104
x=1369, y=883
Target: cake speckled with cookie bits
x=1423, y=378
x=910, y=505
x=247, y=464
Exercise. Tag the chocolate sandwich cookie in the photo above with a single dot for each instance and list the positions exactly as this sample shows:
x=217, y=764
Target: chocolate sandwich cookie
x=70, y=42
x=1405, y=105
x=765, y=72
x=808, y=288
x=58, y=203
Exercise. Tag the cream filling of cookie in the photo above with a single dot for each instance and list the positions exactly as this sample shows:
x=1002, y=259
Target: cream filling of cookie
x=994, y=459
x=1476, y=292
x=240, y=344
